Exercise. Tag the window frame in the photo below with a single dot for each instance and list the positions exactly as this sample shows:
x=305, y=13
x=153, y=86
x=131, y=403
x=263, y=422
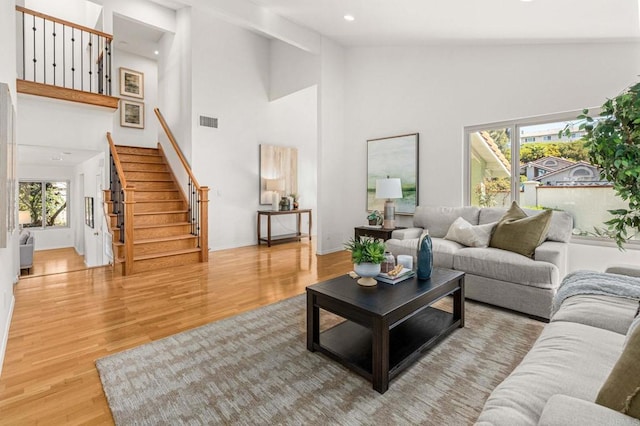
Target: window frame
x=43, y=183
x=514, y=127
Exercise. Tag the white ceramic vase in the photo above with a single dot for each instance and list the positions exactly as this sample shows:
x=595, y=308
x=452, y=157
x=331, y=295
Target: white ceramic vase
x=367, y=271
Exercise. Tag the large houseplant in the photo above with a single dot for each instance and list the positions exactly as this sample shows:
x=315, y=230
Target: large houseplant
x=613, y=142
x=367, y=254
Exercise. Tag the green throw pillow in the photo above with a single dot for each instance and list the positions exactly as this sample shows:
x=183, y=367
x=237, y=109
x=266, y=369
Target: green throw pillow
x=621, y=390
x=520, y=233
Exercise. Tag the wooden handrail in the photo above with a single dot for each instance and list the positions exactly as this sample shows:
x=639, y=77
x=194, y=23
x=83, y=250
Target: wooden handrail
x=172, y=139
x=63, y=22
x=114, y=153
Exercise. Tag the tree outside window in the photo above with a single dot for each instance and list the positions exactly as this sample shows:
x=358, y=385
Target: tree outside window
x=43, y=204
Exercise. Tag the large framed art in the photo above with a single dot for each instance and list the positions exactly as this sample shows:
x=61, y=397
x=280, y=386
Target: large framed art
x=394, y=157
x=278, y=172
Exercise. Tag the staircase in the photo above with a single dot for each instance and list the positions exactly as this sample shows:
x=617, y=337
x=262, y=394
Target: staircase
x=163, y=232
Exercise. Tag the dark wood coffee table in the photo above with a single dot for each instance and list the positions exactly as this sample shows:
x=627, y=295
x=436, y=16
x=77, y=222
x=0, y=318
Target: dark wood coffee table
x=387, y=327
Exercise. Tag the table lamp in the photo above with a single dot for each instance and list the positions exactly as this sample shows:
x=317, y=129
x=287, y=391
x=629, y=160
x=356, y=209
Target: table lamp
x=275, y=186
x=24, y=217
x=389, y=188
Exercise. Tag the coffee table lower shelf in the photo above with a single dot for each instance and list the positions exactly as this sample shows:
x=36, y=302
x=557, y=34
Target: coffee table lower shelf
x=351, y=344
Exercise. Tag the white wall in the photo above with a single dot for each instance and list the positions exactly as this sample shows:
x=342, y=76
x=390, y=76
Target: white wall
x=333, y=164
x=230, y=82
x=292, y=121
x=8, y=256
x=77, y=11
x=436, y=91
x=50, y=122
x=291, y=69
x=127, y=135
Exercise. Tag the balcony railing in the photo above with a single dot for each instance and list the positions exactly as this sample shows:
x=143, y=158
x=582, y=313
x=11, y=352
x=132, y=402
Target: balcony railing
x=60, y=59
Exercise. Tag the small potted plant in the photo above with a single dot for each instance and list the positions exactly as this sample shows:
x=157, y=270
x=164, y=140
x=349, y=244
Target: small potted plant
x=367, y=254
x=375, y=218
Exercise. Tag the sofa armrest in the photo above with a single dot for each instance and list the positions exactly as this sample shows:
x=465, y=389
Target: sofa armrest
x=407, y=234
x=563, y=410
x=629, y=270
x=553, y=252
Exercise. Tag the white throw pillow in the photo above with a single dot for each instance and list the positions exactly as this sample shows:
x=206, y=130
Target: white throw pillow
x=470, y=235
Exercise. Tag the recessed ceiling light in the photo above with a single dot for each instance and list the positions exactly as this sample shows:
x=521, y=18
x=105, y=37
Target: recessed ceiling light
x=156, y=52
x=349, y=18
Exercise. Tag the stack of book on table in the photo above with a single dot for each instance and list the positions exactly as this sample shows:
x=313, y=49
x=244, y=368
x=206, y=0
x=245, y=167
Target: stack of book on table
x=404, y=274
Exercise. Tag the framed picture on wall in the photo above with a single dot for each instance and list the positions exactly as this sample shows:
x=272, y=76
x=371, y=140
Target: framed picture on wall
x=131, y=83
x=131, y=114
x=394, y=157
x=88, y=211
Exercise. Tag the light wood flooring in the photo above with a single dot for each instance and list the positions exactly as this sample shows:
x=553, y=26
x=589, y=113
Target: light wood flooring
x=55, y=261
x=62, y=323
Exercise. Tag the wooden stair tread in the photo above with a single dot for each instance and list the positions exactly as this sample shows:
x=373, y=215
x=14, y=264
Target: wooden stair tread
x=149, y=180
x=163, y=239
x=159, y=200
x=160, y=212
x=160, y=225
x=166, y=254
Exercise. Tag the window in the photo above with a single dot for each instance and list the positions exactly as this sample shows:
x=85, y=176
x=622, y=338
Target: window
x=497, y=165
x=547, y=138
x=43, y=204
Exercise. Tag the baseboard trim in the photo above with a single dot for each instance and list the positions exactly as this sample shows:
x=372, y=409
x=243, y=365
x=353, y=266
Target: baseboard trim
x=5, y=338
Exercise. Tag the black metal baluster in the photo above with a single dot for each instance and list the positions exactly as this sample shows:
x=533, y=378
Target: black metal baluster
x=90, y=62
x=34, y=48
x=81, y=60
x=54, y=53
x=44, y=50
x=73, y=58
x=108, y=71
x=24, y=59
x=64, y=56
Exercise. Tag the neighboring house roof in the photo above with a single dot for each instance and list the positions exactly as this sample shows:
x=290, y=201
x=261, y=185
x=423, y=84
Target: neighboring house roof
x=567, y=171
x=484, y=146
x=551, y=163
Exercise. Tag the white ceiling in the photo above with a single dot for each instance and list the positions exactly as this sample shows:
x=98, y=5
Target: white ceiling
x=410, y=22
x=52, y=156
x=136, y=37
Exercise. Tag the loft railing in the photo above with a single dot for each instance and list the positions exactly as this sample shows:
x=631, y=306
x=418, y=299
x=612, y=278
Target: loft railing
x=197, y=196
x=122, y=201
x=62, y=55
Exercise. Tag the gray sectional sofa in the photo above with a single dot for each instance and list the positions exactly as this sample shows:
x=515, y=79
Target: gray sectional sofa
x=559, y=381
x=499, y=277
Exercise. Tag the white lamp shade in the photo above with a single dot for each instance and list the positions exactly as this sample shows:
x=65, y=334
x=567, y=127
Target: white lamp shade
x=388, y=188
x=24, y=217
x=275, y=184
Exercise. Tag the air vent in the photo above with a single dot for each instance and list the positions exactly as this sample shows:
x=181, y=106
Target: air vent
x=208, y=122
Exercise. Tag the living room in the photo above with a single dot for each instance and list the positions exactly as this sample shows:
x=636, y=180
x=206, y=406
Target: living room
x=334, y=96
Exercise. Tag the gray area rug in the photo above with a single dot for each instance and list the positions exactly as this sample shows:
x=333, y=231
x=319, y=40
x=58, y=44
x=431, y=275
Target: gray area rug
x=254, y=368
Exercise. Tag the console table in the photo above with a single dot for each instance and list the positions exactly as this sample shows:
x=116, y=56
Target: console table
x=272, y=239
x=382, y=233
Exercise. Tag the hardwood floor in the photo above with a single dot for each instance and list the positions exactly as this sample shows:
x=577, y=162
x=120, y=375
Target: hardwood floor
x=62, y=323
x=54, y=261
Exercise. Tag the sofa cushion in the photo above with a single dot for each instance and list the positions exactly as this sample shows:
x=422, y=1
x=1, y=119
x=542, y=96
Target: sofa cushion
x=621, y=391
x=24, y=236
x=469, y=235
x=614, y=313
x=568, y=358
x=437, y=220
x=520, y=233
x=506, y=266
x=559, y=229
x=443, y=250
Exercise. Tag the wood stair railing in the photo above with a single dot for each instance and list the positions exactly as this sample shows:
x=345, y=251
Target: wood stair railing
x=63, y=60
x=154, y=229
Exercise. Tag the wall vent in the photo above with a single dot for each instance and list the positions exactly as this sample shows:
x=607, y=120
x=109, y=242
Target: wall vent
x=208, y=121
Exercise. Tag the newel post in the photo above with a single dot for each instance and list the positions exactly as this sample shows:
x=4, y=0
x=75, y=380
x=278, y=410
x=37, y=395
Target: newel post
x=203, y=196
x=129, y=204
